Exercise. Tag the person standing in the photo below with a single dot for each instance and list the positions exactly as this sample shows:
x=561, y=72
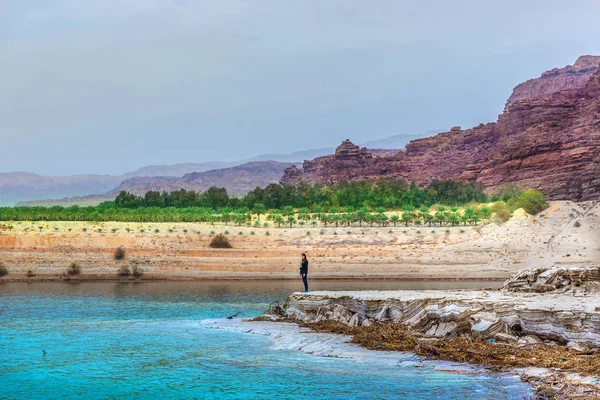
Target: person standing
x=304, y=272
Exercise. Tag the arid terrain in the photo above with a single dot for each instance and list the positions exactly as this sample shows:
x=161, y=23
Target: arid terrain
x=566, y=234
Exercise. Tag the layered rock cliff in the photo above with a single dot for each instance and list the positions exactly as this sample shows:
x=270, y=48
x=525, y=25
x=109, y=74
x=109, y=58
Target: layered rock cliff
x=545, y=139
x=570, y=77
x=511, y=316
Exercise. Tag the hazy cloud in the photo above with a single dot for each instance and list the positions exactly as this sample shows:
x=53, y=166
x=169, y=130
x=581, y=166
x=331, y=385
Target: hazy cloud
x=107, y=86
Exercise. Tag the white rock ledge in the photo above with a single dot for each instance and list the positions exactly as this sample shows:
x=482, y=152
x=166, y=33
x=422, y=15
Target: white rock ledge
x=505, y=316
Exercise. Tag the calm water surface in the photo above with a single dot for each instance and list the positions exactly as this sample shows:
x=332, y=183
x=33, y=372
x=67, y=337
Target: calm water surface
x=142, y=340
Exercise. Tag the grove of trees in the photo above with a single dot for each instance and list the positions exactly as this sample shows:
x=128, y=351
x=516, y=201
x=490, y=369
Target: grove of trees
x=358, y=202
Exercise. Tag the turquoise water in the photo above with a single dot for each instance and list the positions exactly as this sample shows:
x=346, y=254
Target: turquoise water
x=143, y=340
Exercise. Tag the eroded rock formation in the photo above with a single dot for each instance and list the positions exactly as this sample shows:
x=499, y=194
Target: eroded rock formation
x=522, y=318
x=544, y=140
x=570, y=77
x=555, y=279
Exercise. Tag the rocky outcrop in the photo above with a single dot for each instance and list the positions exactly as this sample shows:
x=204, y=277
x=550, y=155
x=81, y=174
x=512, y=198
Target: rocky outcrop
x=570, y=77
x=521, y=318
x=558, y=134
x=555, y=279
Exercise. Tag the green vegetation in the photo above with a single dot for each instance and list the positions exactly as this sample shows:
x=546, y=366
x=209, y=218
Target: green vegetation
x=383, y=203
x=3, y=270
x=531, y=201
x=74, y=269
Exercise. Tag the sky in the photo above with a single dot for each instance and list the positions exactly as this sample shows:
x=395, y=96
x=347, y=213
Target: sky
x=107, y=86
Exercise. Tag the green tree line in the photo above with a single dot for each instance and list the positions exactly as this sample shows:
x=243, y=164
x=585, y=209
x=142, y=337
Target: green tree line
x=343, y=204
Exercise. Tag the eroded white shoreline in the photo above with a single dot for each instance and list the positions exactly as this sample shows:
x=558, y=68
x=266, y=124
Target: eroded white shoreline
x=289, y=336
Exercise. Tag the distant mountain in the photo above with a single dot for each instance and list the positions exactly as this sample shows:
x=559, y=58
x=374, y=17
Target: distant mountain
x=19, y=186
x=31, y=188
x=26, y=186
x=396, y=141
x=298, y=156
x=238, y=181
x=178, y=169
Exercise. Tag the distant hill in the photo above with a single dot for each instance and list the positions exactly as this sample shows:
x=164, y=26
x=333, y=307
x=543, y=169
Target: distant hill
x=237, y=180
x=30, y=188
x=396, y=141
x=26, y=186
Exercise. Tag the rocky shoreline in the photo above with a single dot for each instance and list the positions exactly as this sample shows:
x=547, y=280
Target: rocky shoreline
x=543, y=324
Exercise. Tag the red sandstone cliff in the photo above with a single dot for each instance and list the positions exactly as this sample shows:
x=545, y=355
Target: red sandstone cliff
x=570, y=77
x=549, y=141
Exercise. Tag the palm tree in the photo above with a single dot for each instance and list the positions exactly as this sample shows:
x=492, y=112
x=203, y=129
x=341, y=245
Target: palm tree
x=394, y=219
x=291, y=220
x=440, y=217
x=406, y=217
x=278, y=220
x=259, y=209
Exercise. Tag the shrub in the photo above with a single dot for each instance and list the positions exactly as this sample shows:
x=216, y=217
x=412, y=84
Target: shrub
x=74, y=269
x=3, y=270
x=137, y=272
x=252, y=233
x=119, y=254
x=499, y=208
x=531, y=201
x=447, y=231
x=156, y=230
x=124, y=271
x=30, y=273
x=240, y=233
x=220, y=241
x=577, y=224
x=267, y=233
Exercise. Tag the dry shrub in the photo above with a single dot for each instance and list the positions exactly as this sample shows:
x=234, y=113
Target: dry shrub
x=220, y=241
x=124, y=271
x=74, y=269
x=474, y=350
x=137, y=272
x=119, y=254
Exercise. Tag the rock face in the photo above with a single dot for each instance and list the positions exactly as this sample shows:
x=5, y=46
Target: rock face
x=557, y=79
x=541, y=130
x=511, y=317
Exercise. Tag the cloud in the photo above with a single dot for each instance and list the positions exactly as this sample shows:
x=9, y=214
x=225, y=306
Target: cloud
x=153, y=81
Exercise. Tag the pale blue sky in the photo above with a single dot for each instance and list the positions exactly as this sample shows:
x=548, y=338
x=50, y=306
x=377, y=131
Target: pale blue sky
x=106, y=86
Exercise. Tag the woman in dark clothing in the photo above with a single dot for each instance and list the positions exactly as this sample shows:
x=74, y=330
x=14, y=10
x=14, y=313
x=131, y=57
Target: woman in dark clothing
x=304, y=272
